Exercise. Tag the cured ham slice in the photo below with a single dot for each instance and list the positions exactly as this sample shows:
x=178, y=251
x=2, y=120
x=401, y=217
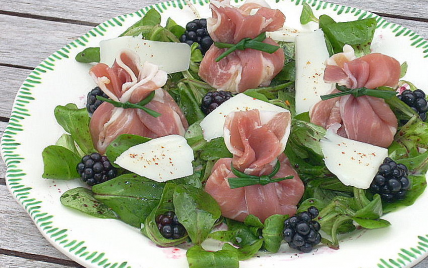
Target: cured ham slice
x=242, y=69
x=129, y=81
x=257, y=140
x=366, y=119
x=370, y=71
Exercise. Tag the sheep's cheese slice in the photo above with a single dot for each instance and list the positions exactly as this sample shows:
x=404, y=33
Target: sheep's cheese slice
x=161, y=159
x=169, y=56
x=213, y=124
x=354, y=163
x=310, y=66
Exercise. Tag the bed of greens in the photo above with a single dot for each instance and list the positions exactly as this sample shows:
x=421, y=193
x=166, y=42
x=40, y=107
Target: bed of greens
x=137, y=200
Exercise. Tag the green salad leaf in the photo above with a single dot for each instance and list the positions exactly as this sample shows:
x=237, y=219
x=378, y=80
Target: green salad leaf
x=60, y=163
x=88, y=55
x=304, y=150
x=150, y=228
x=190, y=99
x=197, y=211
x=195, y=136
x=83, y=200
x=215, y=149
x=246, y=252
x=75, y=121
x=130, y=196
x=121, y=144
x=307, y=14
x=149, y=26
x=414, y=134
x=418, y=186
x=273, y=232
x=197, y=257
x=358, y=34
x=67, y=141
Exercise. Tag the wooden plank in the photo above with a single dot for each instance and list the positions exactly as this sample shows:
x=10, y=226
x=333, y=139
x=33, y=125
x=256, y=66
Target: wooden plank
x=79, y=10
x=398, y=8
x=20, y=234
x=61, y=34
x=19, y=262
x=419, y=27
x=11, y=80
x=2, y=164
x=16, y=51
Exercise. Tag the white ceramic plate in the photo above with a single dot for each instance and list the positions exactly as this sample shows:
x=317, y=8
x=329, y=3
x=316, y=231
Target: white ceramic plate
x=94, y=242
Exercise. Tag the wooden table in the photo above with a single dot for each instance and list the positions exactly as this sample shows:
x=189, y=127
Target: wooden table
x=33, y=30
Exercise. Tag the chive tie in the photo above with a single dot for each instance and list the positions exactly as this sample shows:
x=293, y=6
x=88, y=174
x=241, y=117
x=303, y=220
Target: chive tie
x=256, y=43
x=380, y=92
x=139, y=105
x=243, y=179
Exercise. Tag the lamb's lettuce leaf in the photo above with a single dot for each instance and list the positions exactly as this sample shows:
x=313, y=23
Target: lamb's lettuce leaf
x=197, y=257
x=304, y=150
x=358, y=34
x=149, y=27
x=60, y=163
x=83, y=200
x=121, y=144
x=272, y=232
x=307, y=14
x=150, y=228
x=215, y=149
x=132, y=197
x=75, y=121
x=197, y=211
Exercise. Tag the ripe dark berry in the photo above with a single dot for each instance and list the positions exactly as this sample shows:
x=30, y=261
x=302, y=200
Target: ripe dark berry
x=169, y=226
x=392, y=185
x=196, y=32
x=95, y=169
x=415, y=100
x=301, y=230
x=214, y=99
x=92, y=103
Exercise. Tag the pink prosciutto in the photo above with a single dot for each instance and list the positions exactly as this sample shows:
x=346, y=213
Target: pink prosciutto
x=128, y=80
x=366, y=119
x=257, y=141
x=242, y=69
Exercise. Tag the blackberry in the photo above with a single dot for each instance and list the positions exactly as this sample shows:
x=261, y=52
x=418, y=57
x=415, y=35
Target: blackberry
x=417, y=101
x=95, y=168
x=391, y=181
x=214, y=99
x=196, y=31
x=169, y=226
x=301, y=231
x=92, y=103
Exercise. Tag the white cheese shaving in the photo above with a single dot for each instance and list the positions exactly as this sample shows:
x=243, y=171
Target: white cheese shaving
x=354, y=163
x=169, y=56
x=160, y=159
x=311, y=56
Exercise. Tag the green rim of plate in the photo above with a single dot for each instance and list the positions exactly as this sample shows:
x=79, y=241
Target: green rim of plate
x=45, y=221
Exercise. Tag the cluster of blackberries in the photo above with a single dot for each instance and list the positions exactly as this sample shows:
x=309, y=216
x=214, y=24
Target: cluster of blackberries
x=391, y=181
x=169, y=226
x=301, y=231
x=213, y=99
x=416, y=100
x=196, y=32
x=92, y=103
x=95, y=168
